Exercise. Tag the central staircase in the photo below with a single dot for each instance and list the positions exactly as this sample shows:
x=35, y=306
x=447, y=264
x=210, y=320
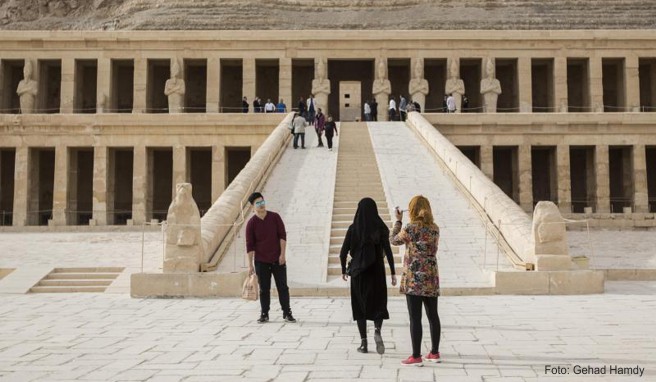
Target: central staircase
x=357, y=177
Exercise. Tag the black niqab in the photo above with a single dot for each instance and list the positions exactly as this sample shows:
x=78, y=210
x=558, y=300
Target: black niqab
x=368, y=231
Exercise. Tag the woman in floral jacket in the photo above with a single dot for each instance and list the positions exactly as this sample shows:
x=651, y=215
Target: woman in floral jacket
x=420, y=281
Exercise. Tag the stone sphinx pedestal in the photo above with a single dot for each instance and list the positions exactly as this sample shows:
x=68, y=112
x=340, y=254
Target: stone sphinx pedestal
x=183, y=257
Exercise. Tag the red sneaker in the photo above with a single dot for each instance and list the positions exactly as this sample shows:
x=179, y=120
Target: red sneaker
x=433, y=357
x=412, y=361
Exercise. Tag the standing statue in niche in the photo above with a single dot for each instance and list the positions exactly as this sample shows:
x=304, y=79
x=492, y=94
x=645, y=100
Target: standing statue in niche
x=175, y=88
x=490, y=88
x=183, y=239
x=454, y=85
x=381, y=88
x=321, y=86
x=27, y=89
x=419, y=85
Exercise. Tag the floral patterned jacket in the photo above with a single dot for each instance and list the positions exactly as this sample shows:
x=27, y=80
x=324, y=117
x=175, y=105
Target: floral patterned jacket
x=421, y=275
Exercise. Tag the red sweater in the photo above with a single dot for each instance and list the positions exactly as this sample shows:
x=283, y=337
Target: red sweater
x=263, y=236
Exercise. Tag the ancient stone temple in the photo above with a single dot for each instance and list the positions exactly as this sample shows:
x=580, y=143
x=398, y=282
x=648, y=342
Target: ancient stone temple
x=89, y=134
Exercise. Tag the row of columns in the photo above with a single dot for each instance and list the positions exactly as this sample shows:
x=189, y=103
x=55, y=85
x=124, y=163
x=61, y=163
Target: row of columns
x=102, y=195
x=602, y=176
x=631, y=76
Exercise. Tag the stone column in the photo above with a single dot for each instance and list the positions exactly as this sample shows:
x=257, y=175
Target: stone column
x=179, y=165
x=560, y=84
x=564, y=181
x=213, y=84
x=285, y=83
x=21, y=182
x=525, y=177
x=104, y=85
x=67, y=86
x=640, y=192
x=602, y=176
x=139, y=185
x=60, y=187
x=596, y=85
x=218, y=171
x=525, y=85
x=248, y=86
x=140, y=84
x=632, y=84
x=100, y=164
x=487, y=161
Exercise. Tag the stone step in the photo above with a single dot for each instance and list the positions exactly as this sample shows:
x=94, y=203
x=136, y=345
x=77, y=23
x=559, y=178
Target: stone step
x=67, y=289
x=381, y=203
x=89, y=270
x=74, y=282
x=77, y=276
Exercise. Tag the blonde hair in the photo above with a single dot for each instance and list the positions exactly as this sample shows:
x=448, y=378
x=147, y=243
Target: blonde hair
x=420, y=212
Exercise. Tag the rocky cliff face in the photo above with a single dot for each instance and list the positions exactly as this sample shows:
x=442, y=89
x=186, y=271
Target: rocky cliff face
x=324, y=14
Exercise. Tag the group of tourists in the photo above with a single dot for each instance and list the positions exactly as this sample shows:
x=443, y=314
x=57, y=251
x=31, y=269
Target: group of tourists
x=449, y=103
x=322, y=126
x=260, y=107
x=394, y=112
x=368, y=242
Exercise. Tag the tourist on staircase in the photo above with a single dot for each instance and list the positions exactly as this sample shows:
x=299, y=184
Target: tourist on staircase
x=366, y=241
x=298, y=124
x=331, y=130
x=420, y=281
x=319, y=125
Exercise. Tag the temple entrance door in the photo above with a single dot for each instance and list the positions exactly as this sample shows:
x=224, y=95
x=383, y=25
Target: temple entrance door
x=350, y=100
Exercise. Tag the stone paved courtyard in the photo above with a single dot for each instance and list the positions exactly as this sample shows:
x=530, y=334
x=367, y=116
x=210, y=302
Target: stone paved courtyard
x=111, y=337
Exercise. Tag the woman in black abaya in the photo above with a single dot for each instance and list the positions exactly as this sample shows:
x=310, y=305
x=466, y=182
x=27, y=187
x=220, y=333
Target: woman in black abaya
x=367, y=242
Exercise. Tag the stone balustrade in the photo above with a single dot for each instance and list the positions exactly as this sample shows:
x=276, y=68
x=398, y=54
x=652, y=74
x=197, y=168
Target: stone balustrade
x=227, y=212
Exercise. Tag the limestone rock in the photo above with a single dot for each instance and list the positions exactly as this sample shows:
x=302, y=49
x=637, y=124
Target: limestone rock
x=321, y=14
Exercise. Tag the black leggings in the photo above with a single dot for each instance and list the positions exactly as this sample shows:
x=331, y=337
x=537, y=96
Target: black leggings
x=416, y=331
x=362, y=327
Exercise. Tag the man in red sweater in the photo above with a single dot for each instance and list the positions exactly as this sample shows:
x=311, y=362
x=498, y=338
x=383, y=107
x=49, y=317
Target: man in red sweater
x=266, y=242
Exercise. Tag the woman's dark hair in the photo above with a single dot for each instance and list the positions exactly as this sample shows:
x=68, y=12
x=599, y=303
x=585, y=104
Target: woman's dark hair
x=254, y=196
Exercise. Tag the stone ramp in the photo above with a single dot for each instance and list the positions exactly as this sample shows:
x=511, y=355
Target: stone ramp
x=300, y=188
x=407, y=169
x=317, y=203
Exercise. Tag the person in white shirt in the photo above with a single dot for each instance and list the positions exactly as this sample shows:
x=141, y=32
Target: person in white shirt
x=269, y=107
x=367, y=111
x=392, y=109
x=451, y=104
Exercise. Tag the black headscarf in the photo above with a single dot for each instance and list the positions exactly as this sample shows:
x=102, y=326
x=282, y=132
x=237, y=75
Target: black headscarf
x=368, y=231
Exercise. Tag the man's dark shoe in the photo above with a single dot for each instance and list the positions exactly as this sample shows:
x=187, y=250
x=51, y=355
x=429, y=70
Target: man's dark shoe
x=288, y=317
x=264, y=317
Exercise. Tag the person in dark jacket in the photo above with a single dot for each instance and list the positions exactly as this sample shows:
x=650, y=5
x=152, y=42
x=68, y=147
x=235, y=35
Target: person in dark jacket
x=244, y=105
x=330, y=131
x=374, y=110
x=302, y=111
x=366, y=241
